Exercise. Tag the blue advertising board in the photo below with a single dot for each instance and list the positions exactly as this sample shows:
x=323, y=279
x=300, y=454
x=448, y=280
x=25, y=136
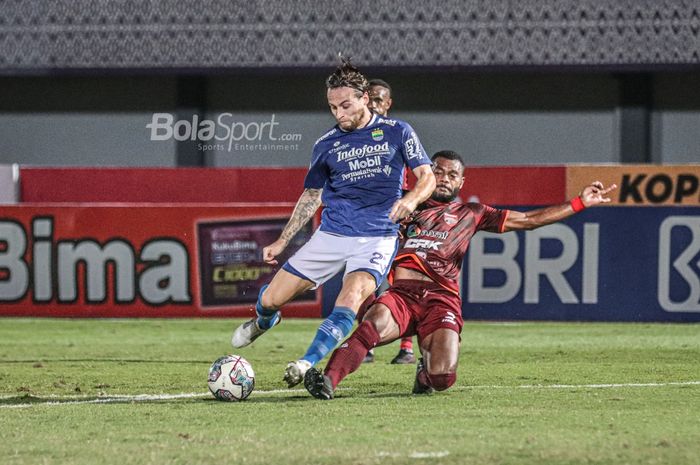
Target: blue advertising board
x=604, y=264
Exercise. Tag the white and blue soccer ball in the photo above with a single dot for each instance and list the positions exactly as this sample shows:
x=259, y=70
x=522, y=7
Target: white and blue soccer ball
x=231, y=378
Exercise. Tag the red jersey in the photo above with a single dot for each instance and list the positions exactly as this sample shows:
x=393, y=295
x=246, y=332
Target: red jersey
x=436, y=238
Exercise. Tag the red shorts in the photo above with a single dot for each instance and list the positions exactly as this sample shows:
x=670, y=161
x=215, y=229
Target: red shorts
x=422, y=307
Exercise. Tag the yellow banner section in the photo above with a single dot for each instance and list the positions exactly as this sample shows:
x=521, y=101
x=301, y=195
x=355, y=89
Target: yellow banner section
x=640, y=185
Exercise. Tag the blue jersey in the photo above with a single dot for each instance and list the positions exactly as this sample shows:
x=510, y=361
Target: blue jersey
x=361, y=173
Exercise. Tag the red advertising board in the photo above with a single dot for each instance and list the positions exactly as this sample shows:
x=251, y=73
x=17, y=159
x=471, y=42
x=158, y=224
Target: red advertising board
x=161, y=185
x=139, y=260
x=494, y=185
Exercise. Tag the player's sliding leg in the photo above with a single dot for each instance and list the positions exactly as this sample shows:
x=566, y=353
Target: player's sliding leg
x=369, y=358
x=378, y=327
x=283, y=288
x=405, y=355
x=357, y=286
x=437, y=370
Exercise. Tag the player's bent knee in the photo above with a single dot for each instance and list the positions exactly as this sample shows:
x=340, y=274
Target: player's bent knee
x=267, y=300
x=442, y=381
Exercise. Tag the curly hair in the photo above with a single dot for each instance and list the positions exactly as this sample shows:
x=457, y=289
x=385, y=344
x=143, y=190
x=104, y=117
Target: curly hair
x=347, y=75
x=449, y=155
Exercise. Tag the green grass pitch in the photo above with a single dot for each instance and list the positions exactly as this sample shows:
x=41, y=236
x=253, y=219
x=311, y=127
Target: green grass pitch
x=531, y=393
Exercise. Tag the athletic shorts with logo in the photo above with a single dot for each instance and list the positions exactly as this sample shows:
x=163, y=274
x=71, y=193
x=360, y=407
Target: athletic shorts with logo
x=325, y=254
x=422, y=307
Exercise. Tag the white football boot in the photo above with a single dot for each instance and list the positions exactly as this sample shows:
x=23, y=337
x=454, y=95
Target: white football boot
x=294, y=374
x=250, y=331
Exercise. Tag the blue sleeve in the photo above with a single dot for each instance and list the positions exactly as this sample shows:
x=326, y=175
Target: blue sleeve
x=413, y=152
x=318, y=170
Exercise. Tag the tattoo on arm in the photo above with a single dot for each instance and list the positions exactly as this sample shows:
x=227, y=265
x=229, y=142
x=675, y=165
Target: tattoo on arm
x=304, y=210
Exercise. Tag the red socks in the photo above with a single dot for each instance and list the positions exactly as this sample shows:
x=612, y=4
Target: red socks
x=437, y=382
x=407, y=344
x=348, y=357
x=441, y=382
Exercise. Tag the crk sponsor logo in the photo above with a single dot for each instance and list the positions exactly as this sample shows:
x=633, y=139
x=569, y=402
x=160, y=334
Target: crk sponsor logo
x=363, y=151
x=422, y=244
x=679, y=264
x=158, y=274
x=659, y=188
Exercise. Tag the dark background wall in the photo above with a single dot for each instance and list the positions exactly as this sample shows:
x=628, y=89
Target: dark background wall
x=493, y=118
x=530, y=82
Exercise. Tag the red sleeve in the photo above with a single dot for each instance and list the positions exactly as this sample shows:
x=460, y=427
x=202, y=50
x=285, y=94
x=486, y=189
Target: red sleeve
x=492, y=219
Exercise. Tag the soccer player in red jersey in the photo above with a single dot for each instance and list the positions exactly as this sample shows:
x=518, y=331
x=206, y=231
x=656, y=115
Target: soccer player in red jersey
x=424, y=297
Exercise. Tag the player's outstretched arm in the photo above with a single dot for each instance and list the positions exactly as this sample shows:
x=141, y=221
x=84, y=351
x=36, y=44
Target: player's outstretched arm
x=425, y=185
x=306, y=207
x=591, y=195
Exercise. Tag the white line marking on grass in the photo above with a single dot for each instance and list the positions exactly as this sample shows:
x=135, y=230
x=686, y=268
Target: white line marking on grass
x=585, y=386
x=105, y=400
x=415, y=455
x=428, y=455
x=595, y=386
x=126, y=398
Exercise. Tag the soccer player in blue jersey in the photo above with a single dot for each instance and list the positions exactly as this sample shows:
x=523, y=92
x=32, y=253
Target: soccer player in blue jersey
x=356, y=172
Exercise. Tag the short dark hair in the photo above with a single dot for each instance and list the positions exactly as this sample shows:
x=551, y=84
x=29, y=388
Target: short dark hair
x=347, y=75
x=380, y=83
x=449, y=155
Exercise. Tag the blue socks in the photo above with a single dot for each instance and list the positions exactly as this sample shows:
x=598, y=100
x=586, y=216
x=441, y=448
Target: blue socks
x=330, y=333
x=267, y=318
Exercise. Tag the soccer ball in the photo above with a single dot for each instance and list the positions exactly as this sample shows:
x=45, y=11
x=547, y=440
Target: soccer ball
x=231, y=378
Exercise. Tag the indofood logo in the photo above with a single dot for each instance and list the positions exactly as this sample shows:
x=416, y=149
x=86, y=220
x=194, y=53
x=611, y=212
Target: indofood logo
x=361, y=152
x=224, y=133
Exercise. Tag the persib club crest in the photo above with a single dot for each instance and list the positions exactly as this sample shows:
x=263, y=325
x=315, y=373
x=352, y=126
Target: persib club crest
x=378, y=134
x=450, y=219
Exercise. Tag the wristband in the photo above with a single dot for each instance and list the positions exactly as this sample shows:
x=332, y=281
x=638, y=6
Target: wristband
x=577, y=204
